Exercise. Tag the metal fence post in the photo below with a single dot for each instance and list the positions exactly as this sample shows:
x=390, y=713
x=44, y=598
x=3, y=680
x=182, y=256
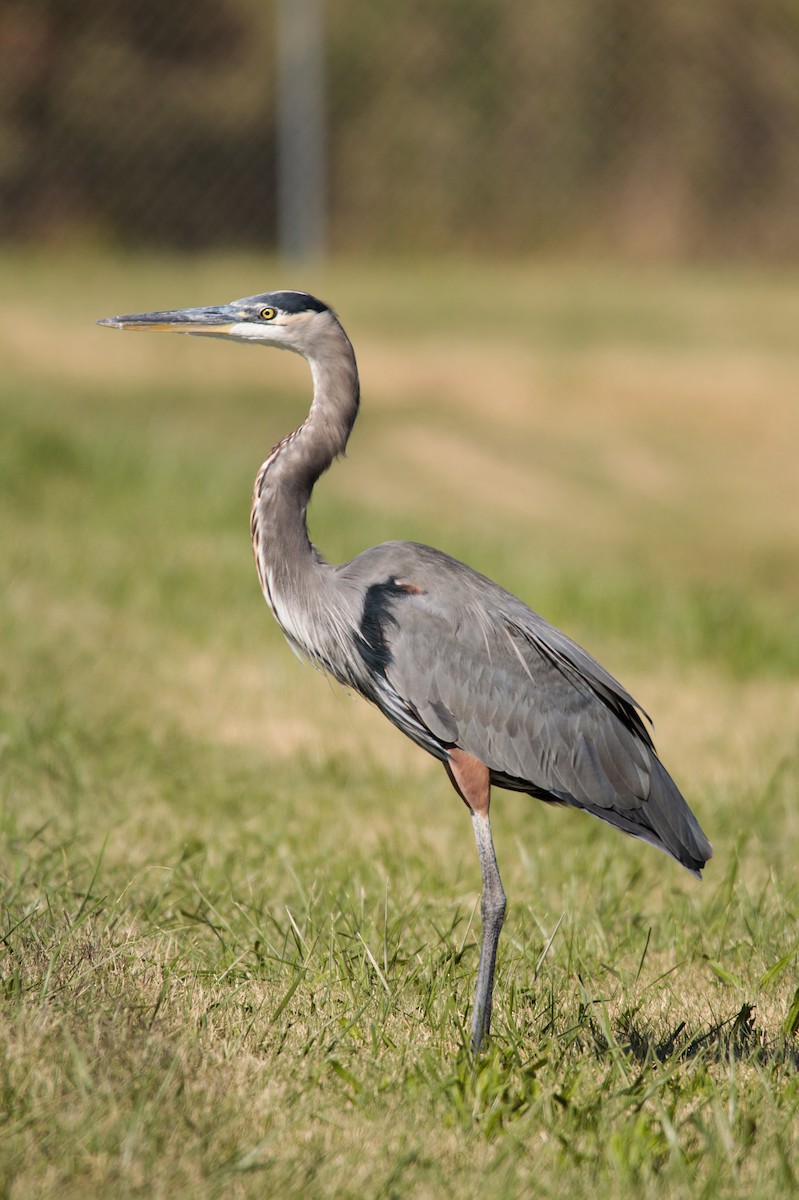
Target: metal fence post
x=301, y=138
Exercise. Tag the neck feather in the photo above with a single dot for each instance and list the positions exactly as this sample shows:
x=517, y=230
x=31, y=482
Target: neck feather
x=287, y=562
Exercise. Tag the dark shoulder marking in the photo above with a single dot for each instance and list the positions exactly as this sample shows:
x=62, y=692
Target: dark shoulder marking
x=376, y=619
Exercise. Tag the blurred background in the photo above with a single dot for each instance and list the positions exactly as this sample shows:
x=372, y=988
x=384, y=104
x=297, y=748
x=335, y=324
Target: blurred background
x=663, y=130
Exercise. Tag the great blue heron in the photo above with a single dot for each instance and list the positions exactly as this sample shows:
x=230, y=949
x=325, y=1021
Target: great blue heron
x=464, y=668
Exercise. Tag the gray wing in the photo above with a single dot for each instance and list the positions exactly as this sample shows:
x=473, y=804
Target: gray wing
x=461, y=662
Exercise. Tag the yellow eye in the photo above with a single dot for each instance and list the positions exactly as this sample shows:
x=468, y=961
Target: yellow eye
x=268, y=314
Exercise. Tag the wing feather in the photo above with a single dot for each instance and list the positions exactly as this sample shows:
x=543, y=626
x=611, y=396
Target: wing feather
x=482, y=672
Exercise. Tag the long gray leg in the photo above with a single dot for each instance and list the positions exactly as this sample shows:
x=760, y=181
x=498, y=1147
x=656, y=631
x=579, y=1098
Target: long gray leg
x=492, y=911
x=472, y=782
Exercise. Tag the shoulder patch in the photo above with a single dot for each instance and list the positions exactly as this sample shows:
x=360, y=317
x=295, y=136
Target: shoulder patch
x=377, y=618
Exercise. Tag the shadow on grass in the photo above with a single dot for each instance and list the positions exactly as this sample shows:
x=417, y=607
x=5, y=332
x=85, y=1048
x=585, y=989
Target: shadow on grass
x=736, y=1038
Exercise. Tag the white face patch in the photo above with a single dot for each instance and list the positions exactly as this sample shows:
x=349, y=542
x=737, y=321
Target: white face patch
x=285, y=332
x=274, y=333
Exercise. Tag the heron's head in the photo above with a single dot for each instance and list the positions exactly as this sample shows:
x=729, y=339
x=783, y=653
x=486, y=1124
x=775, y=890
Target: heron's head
x=289, y=320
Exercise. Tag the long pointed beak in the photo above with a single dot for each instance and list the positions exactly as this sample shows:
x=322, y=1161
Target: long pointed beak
x=217, y=319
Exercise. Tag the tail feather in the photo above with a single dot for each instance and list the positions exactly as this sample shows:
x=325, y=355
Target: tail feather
x=664, y=820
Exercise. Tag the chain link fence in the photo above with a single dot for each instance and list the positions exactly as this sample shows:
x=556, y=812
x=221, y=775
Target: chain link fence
x=663, y=128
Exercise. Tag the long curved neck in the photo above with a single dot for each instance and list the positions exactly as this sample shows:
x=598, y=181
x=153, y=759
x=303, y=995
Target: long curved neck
x=286, y=560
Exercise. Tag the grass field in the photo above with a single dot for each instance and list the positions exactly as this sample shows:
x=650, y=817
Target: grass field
x=239, y=911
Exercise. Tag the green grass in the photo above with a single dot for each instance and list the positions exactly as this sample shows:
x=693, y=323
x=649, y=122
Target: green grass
x=239, y=911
